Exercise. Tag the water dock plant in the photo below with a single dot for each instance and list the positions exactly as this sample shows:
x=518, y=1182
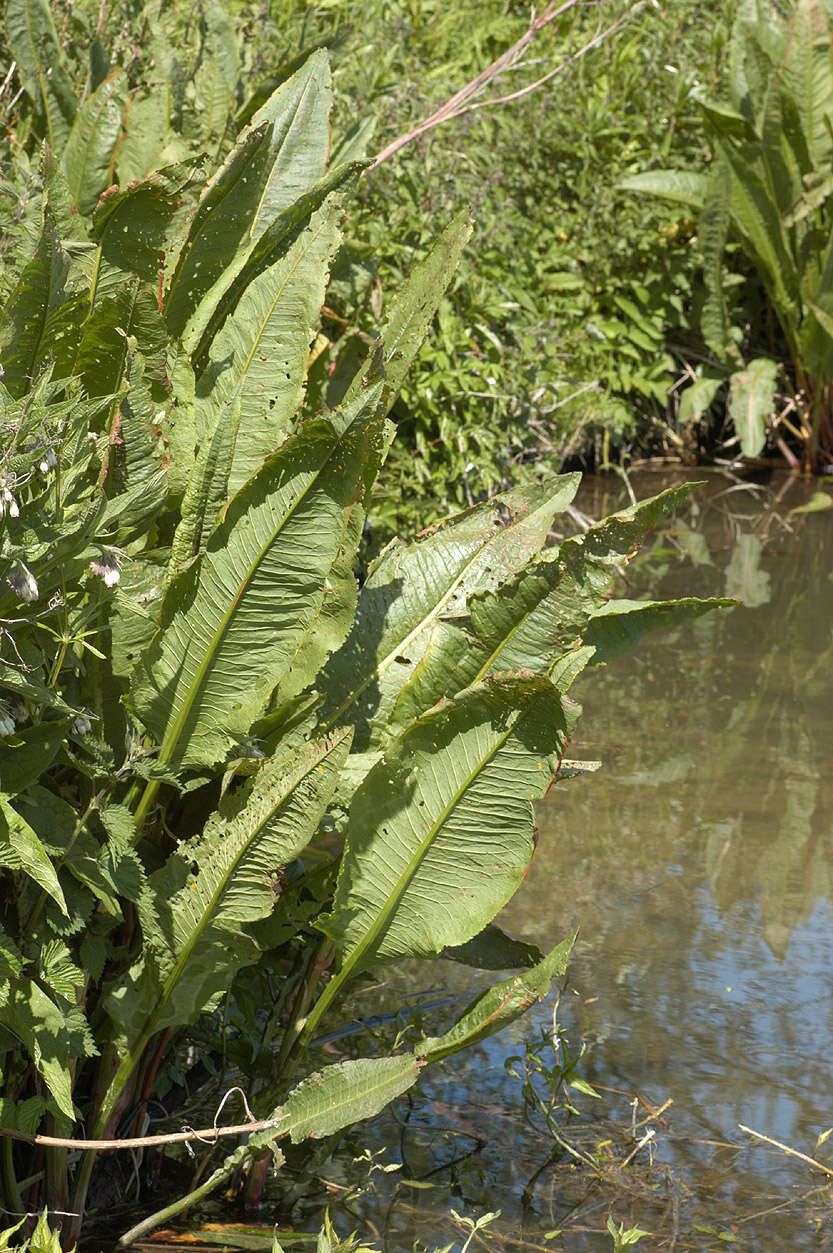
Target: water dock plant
x=230, y=774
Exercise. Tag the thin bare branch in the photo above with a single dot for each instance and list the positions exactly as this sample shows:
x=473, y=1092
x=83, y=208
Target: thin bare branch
x=465, y=100
x=209, y=1135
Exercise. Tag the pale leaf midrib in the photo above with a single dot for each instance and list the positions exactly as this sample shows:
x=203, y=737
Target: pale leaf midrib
x=266, y=319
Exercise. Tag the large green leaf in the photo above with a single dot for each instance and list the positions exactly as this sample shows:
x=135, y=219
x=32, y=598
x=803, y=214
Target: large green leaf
x=277, y=158
x=529, y=622
x=21, y=849
x=345, y=1093
x=223, y=296
x=757, y=216
x=257, y=366
x=26, y=328
x=246, y=617
x=194, y=910
x=41, y=1027
x=413, y=308
x=619, y=625
x=215, y=80
x=807, y=73
x=498, y=1006
x=751, y=399
x=453, y=792
x=34, y=45
x=413, y=586
x=88, y=156
x=686, y=187
x=714, y=232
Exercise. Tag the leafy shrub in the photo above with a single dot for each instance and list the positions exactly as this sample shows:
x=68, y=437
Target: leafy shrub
x=195, y=690
x=771, y=187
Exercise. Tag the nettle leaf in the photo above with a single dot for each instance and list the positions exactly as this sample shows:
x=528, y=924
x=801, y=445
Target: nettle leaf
x=246, y=617
x=453, y=792
x=22, y=850
x=194, y=910
x=57, y=968
x=413, y=586
x=52, y=1037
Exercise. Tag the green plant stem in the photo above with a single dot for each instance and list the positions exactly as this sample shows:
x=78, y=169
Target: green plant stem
x=145, y=803
x=11, y=1190
x=177, y=1207
x=299, y=1022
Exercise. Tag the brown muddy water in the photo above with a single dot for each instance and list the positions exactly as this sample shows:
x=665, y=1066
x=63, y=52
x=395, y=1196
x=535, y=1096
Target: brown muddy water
x=698, y=866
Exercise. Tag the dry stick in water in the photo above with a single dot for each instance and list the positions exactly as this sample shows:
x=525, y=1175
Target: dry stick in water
x=785, y=1148
x=208, y=1134
x=464, y=102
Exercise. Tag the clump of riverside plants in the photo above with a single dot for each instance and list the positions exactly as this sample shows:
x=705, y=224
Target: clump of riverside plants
x=229, y=773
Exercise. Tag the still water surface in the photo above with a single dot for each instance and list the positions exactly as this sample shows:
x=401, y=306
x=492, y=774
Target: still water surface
x=698, y=867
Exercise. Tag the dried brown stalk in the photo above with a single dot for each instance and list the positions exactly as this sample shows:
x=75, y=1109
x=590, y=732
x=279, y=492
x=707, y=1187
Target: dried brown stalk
x=463, y=101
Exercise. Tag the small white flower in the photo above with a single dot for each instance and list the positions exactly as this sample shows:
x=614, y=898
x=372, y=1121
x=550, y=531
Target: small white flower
x=23, y=583
x=8, y=504
x=82, y=725
x=48, y=461
x=6, y=720
x=107, y=566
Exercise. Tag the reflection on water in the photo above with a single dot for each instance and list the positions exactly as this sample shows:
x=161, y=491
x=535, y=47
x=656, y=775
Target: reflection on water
x=697, y=865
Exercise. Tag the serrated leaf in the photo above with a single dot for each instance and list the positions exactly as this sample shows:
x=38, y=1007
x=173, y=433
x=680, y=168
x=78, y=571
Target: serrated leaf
x=20, y=849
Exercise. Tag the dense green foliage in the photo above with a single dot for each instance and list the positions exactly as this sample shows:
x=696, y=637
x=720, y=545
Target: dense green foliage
x=226, y=767
x=771, y=188
x=568, y=321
